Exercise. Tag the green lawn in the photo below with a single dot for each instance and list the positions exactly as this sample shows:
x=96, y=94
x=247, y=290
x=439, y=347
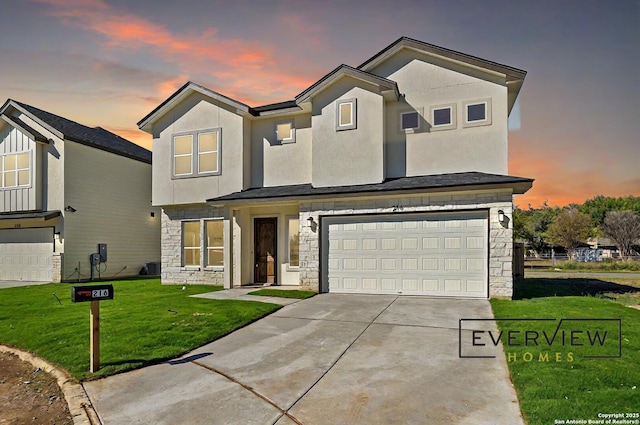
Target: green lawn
x=567, y=385
x=283, y=293
x=145, y=323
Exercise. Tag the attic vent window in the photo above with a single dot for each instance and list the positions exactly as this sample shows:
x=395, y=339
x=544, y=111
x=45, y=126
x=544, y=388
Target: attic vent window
x=442, y=116
x=476, y=112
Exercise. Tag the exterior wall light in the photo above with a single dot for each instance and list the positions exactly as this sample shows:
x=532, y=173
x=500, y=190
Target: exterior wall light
x=501, y=216
x=312, y=224
x=69, y=208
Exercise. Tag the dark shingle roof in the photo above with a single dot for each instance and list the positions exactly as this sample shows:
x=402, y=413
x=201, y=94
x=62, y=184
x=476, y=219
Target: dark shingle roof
x=417, y=183
x=96, y=137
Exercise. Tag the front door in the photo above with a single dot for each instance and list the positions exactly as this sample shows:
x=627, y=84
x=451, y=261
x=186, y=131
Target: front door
x=265, y=231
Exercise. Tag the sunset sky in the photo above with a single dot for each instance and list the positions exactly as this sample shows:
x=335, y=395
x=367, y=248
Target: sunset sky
x=109, y=63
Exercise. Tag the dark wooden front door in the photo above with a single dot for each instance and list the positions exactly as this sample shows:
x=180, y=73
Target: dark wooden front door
x=266, y=237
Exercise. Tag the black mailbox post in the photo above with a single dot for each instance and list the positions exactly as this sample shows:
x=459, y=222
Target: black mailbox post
x=91, y=293
x=95, y=294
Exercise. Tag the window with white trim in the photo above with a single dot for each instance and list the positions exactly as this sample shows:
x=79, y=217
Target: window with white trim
x=443, y=117
x=477, y=113
x=346, y=114
x=196, y=153
x=15, y=170
x=293, y=241
x=214, y=243
x=285, y=133
x=190, y=243
x=409, y=121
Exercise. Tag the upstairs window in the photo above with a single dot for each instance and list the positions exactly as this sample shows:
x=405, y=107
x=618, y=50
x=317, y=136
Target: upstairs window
x=443, y=117
x=346, y=114
x=15, y=170
x=285, y=133
x=409, y=121
x=477, y=113
x=196, y=153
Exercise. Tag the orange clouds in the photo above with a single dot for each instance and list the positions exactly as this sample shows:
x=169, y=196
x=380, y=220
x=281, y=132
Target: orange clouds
x=230, y=60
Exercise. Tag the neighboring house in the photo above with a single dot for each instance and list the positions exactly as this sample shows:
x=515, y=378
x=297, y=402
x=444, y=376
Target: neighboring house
x=64, y=189
x=388, y=178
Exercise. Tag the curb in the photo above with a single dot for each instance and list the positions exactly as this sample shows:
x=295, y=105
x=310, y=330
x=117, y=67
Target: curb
x=80, y=406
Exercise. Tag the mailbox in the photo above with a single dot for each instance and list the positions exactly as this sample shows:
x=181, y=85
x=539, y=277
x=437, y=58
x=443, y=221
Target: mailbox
x=91, y=293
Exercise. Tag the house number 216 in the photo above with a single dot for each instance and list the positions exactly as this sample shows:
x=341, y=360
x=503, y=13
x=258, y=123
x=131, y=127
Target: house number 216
x=99, y=293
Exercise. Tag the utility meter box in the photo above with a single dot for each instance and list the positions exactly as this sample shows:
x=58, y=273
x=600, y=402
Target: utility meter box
x=102, y=250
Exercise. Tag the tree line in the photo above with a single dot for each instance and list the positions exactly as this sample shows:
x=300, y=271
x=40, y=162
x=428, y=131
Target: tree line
x=615, y=218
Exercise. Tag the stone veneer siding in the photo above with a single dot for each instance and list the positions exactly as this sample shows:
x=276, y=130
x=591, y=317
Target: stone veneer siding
x=172, y=270
x=56, y=265
x=500, y=236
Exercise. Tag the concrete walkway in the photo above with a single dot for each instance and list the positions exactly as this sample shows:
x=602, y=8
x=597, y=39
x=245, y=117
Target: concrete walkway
x=242, y=294
x=330, y=359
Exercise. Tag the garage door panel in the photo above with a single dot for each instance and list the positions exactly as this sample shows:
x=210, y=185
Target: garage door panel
x=26, y=254
x=425, y=254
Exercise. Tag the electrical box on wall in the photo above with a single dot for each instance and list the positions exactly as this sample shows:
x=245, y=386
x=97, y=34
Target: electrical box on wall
x=102, y=250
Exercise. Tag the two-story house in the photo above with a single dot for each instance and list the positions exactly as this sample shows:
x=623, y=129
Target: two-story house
x=387, y=178
x=64, y=189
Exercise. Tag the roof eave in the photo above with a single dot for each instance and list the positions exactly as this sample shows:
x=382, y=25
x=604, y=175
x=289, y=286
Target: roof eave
x=19, y=124
x=346, y=70
x=145, y=123
x=517, y=188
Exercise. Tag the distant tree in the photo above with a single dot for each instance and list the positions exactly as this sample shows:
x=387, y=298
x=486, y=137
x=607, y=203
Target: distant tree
x=531, y=226
x=598, y=206
x=623, y=227
x=570, y=228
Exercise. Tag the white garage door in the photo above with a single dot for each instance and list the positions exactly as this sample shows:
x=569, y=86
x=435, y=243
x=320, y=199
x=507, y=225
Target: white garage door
x=26, y=254
x=442, y=254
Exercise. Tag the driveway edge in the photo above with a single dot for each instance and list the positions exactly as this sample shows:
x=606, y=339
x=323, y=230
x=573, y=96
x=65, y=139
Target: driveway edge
x=80, y=406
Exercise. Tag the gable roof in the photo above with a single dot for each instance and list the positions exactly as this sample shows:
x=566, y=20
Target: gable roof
x=514, y=79
x=182, y=93
x=418, y=184
x=96, y=137
x=25, y=128
x=385, y=84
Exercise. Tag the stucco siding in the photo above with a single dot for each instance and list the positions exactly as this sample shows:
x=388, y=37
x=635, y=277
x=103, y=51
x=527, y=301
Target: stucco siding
x=199, y=113
x=276, y=163
x=111, y=196
x=348, y=157
x=426, y=82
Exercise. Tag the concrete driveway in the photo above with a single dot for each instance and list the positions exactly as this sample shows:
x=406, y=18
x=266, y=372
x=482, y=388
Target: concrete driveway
x=331, y=359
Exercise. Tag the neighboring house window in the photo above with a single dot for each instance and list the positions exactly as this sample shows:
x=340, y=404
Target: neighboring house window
x=15, y=170
x=477, y=113
x=190, y=243
x=346, y=114
x=196, y=153
x=215, y=243
x=293, y=241
x=443, y=117
x=285, y=133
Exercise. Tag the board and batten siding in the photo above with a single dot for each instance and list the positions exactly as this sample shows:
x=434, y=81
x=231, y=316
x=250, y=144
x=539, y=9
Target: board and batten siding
x=112, y=198
x=26, y=198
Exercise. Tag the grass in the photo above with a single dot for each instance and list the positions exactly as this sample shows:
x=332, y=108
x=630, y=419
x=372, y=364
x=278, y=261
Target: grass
x=607, y=265
x=283, y=293
x=144, y=324
x=573, y=387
